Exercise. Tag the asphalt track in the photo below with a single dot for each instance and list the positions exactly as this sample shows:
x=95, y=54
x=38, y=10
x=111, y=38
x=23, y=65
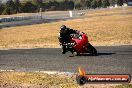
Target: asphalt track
x=110, y=60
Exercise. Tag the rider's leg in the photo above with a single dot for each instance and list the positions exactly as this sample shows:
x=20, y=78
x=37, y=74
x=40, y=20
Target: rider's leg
x=63, y=49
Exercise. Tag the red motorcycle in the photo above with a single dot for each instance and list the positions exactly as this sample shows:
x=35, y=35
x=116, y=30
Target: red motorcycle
x=79, y=44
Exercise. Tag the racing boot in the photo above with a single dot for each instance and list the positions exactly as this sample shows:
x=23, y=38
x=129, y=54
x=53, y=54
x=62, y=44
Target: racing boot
x=64, y=49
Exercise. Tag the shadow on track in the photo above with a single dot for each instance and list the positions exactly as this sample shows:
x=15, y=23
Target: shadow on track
x=99, y=54
x=105, y=54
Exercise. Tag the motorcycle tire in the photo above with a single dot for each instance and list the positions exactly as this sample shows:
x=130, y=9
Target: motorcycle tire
x=75, y=53
x=92, y=50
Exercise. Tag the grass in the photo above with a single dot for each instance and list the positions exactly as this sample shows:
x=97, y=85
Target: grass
x=101, y=30
x=44, y=80
x=35, y=80
x=109, y=11
x=124, y=86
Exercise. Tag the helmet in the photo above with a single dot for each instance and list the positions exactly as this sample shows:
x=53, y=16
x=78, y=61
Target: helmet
x=63, y=27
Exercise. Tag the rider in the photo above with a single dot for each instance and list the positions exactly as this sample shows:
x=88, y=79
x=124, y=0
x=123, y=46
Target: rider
x=65, y=34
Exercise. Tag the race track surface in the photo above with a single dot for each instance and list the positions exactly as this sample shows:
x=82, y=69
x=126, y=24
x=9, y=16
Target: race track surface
x=110, y=60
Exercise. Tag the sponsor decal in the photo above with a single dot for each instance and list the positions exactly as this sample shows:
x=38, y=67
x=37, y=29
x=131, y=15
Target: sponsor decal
x=83, y=78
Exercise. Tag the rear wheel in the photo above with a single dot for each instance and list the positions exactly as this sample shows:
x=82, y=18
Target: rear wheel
x=92, y=50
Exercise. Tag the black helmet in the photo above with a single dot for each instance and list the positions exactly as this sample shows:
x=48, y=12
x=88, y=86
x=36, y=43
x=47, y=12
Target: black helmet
x=63, y=27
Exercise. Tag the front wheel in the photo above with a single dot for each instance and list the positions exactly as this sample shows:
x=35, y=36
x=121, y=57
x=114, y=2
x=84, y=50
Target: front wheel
x=75, y=53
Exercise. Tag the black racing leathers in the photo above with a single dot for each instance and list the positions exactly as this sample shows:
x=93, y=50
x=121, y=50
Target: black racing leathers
x=65, y=37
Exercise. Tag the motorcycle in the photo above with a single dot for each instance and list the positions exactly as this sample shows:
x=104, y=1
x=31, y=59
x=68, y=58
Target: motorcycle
x=79, y=44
